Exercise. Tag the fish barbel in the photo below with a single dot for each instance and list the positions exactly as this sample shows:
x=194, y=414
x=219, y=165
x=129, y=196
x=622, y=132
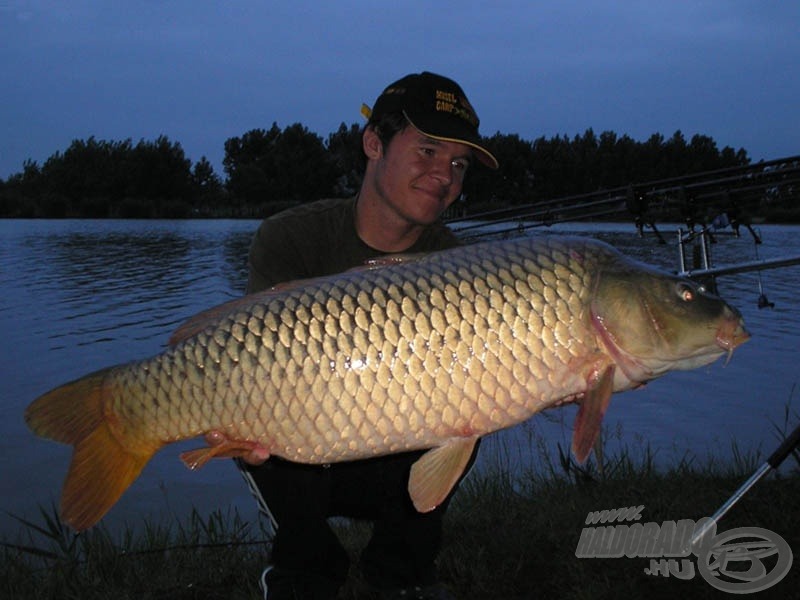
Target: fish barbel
x=417, y=352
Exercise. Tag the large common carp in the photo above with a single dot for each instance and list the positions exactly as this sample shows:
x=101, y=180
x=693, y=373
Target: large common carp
x=420, y=352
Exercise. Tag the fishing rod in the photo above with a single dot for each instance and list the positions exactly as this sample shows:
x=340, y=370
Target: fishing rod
x=743, y=267
x=772, y=463
x=705, y=271
x=521, y=225
x=688, y=197
x=542, y=211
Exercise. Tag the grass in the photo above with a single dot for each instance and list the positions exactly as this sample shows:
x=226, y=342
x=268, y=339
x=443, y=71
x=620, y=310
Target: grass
x=506, y=537
x=211, y=557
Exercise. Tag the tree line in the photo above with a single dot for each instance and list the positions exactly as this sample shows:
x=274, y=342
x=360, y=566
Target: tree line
x=266, y=170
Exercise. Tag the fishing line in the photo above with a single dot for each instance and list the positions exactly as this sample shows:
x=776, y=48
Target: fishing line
x=763, y=301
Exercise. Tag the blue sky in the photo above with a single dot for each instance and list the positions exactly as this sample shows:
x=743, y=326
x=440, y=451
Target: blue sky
x=201, y=72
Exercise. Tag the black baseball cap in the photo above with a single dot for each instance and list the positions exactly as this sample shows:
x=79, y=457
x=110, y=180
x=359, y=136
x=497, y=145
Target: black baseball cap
x=437, y=107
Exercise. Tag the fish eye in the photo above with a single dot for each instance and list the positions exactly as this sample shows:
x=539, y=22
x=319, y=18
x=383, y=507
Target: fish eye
x=685, y=292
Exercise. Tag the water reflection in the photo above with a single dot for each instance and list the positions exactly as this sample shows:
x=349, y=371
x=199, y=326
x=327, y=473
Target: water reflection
x=105, y=285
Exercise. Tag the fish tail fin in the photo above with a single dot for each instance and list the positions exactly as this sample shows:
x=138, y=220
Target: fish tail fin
x=105, y=460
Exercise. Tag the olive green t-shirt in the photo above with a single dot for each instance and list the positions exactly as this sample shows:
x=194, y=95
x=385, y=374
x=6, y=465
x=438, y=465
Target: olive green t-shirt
x=319, y=239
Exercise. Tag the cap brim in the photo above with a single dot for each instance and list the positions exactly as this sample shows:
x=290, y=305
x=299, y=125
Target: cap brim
x=481, y=153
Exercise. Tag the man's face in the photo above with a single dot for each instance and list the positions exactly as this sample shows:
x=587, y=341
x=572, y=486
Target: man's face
x=419, y=177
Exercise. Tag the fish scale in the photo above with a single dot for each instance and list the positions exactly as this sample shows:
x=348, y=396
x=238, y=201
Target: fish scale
x=377, y=329
x=423, y=352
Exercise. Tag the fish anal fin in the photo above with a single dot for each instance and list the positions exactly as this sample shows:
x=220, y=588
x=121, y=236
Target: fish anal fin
x=106, y=459
x=194, y=459
x=435, y=473
x=589, y=419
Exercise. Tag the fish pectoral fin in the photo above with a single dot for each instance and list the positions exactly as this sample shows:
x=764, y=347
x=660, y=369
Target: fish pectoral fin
x=194, y=459
x=590, y=415
x=437, y=471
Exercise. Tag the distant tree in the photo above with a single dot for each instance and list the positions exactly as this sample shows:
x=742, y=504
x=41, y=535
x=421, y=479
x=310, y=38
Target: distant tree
x=101, y=178
x=88, y=173
x=21, y=193
x=347, y=159
x=703, y=154
x=610, y=162
x=513, y=183
x=303, y=161
x=553, y=165
x=585, y=150
x=589, y=163
x=203, y=176
x=208, y=195
x=158, y=171
x=285, y=166
x=278, y=165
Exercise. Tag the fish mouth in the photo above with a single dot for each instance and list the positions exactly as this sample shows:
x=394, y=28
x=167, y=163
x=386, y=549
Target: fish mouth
x=731, y=334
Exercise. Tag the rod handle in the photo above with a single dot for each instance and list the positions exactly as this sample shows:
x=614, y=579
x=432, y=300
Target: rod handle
x=785, y=448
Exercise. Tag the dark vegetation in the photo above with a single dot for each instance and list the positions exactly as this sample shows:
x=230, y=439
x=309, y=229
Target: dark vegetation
x=266, y=170
x=508, y=536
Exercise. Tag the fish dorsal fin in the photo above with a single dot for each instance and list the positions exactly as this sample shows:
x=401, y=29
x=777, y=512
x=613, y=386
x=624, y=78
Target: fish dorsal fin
x=590, y=415
x=390, y=259
x=197, y=323
x=437, y=471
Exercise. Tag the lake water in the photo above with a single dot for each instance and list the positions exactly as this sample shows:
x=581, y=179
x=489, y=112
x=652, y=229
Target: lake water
x=80, y=295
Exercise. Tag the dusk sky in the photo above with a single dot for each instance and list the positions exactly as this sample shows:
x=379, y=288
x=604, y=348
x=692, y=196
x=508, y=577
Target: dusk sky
x=201, y=72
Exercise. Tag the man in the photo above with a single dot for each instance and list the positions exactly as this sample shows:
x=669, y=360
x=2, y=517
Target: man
x=421, y=138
